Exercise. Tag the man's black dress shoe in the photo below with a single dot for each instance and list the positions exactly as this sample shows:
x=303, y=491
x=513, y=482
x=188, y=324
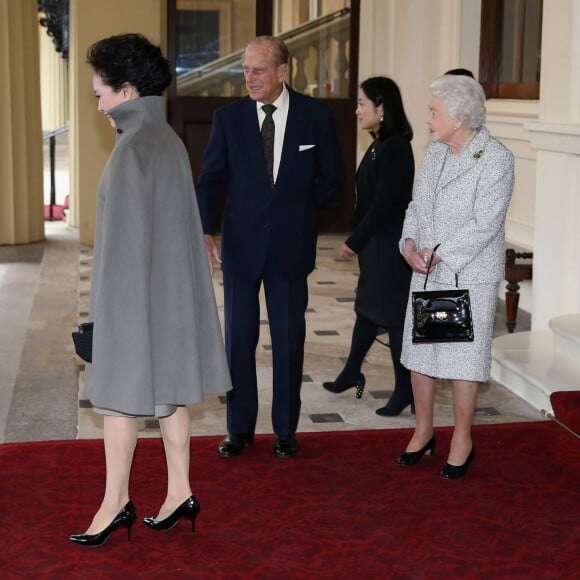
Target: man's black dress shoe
x=286, y=446
x=234, y=444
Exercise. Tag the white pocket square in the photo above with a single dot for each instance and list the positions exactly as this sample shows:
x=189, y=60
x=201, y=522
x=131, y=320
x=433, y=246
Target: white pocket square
x=305, y=147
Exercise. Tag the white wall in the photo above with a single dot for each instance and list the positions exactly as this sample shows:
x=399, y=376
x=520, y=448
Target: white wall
x=415, y=41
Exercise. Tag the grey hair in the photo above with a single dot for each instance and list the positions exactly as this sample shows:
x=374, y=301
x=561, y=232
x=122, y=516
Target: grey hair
x=463, y=97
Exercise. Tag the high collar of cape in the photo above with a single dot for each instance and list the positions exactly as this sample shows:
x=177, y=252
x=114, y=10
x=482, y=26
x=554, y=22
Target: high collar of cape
x=130, y=115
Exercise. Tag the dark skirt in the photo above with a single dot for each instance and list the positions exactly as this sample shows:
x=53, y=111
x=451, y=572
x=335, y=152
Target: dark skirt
x=383, y=286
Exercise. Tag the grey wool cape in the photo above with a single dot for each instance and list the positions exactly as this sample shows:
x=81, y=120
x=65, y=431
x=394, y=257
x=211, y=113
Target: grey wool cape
x=157, y=338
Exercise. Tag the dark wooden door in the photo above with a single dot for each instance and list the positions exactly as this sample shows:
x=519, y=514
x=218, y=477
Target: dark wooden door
x=191, y=115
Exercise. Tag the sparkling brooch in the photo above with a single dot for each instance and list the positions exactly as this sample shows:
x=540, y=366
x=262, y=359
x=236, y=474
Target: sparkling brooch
x=478, y=154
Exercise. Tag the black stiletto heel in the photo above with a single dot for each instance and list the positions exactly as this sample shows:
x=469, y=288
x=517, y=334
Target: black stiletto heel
x=412, y=457
x=124, y=519
x=189, y=509
x=344, y=382
x=456, y=471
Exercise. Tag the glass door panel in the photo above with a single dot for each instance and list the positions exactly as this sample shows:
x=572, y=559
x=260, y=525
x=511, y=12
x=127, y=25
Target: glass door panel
x=317, y=33
x=210, y=37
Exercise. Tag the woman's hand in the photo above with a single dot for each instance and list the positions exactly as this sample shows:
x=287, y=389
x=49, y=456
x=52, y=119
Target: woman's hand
x=425, y=255
x=415, y=259
x=346, y=252
x=419, y=259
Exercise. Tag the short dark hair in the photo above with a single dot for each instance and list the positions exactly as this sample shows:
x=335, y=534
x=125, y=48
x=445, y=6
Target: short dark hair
x=460, y=71
x=130, y=59
x=384, y=91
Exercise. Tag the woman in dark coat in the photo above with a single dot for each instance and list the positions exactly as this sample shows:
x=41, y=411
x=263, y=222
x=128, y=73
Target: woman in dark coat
x=157, y=343
x=384, y=184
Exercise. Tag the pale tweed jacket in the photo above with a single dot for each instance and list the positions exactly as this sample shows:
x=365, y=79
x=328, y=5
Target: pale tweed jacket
x=464, y=212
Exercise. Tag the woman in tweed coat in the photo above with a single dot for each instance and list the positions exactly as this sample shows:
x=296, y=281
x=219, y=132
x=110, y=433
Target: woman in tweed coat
x=157, y=343
x=460, y=203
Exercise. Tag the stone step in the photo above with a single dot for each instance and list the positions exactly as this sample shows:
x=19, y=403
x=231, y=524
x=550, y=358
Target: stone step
x=531, y=364
x=567, y=334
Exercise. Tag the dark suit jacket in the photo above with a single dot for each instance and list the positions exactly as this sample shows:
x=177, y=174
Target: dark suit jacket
x=261, y=224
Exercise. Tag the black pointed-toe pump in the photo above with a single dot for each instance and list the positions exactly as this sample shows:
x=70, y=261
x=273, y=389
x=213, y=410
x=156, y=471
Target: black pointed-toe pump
x=124, y=519
x=189, y=509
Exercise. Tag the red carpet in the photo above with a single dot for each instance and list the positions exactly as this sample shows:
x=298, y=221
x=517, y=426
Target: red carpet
x=342, y=509
x=566, y=405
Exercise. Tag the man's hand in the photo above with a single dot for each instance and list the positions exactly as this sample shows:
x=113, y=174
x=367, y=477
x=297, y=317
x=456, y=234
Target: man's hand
x=346, y=252
x=213, y=251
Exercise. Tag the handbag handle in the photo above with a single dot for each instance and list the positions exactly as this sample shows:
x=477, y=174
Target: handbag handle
x=429, y=269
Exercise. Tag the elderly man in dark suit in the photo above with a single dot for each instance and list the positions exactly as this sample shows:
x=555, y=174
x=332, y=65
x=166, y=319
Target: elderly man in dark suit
x=276, y=155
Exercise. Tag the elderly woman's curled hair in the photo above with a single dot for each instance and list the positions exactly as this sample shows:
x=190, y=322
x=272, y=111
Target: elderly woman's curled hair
x=463, y=97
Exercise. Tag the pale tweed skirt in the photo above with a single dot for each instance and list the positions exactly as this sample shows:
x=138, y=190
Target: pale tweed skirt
x=467, y=361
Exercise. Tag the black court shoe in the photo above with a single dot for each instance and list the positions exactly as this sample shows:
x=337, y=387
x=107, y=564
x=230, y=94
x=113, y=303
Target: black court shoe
x=412, y=457
x=346, y=381
x=392, y=409
x=124, y=519
x=456, y=471
x=189, y=509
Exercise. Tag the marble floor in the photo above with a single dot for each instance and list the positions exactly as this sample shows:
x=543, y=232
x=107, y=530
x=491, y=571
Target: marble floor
x=330, y=318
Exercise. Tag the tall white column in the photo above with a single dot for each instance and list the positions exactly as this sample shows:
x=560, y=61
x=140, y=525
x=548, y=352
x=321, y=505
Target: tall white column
x=556, y=284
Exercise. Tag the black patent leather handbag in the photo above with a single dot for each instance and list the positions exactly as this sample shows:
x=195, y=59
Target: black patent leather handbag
x=441, y=315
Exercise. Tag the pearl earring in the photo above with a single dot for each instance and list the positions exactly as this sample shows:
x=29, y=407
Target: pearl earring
x=381, y=119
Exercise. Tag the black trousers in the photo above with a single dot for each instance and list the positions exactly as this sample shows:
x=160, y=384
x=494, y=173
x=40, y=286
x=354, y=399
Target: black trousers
x=286, y=302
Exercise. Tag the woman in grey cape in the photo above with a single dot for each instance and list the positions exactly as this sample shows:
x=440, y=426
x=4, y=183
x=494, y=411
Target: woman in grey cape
x=157, y=342
x=460, y=202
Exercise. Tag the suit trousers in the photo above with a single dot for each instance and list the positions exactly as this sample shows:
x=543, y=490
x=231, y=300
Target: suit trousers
x=286, y=302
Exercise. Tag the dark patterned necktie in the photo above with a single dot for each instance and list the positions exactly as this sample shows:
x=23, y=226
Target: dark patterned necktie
x=268, y=140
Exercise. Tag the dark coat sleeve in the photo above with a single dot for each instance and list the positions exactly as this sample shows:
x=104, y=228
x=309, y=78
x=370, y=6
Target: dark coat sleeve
x=384, y=190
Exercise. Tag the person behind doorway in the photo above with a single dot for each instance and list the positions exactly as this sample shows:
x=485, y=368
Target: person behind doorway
x=269, y=231
x=460, y=71
x=460, y=203
x=384, y=183
x=157, y=342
